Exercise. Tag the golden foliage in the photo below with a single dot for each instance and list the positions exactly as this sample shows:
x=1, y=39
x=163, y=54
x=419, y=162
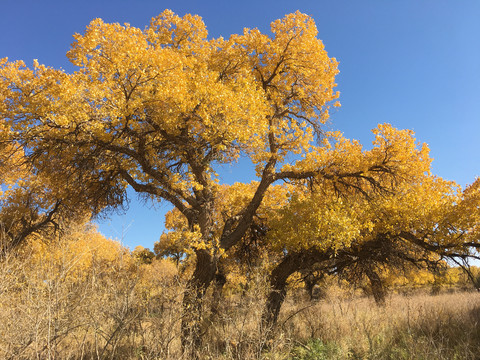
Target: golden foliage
x=139, y=94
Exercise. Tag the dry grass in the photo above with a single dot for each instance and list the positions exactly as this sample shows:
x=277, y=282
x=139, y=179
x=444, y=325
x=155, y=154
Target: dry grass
x=134, y=313
x=445, y=326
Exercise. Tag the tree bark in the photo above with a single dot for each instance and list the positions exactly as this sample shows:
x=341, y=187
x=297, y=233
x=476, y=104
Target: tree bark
x=377, y=287
x=191, y=329
x=219, y=282
x=292, y=263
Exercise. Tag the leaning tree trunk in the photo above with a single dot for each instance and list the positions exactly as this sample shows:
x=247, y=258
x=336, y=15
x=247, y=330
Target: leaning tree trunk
x=278, y=291
x=292, y=263
x=377, y=287
x=202, y=276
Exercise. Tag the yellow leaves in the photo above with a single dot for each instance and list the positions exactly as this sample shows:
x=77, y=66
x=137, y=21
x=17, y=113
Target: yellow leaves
x=72, y=257
x=401, y=145
x=104, y=43
x=321, y=221
x=169, y=29
x=157, y=278
x=12, y=164
x=360, y=194
x=293, y=67
x=463, y=217
x=168, y=84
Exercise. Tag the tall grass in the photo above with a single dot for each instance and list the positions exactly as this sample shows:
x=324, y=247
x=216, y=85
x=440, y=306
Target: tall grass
x=420, y=326
x=123, y=310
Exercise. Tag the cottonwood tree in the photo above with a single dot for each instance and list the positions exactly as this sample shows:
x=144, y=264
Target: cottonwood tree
x=159, y=109
x=422, y=220
x=353, y=230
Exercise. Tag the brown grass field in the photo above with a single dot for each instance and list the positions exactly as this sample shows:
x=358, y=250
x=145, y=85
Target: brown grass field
x=53, y=310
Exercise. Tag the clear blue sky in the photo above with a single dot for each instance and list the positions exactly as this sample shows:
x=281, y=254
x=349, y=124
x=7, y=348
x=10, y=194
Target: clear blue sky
x=412, y=63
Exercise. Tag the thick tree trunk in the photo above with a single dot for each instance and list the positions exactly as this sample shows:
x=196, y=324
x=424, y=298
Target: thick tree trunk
x=273, y=305
x=192, y=302
x=377, y=288
x=310, y=283
x=219, y=281
x=292, y=263
x=278, y=291
x=311, y=280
